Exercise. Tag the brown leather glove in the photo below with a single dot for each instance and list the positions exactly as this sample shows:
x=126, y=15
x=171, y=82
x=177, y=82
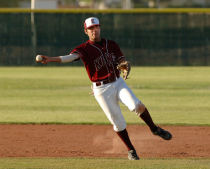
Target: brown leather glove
x=125, y=67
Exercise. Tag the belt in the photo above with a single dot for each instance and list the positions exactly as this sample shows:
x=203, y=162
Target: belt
x=110, y=80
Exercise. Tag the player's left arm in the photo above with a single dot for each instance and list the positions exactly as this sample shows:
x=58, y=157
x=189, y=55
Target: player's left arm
x=122, y=60
x=119, y=55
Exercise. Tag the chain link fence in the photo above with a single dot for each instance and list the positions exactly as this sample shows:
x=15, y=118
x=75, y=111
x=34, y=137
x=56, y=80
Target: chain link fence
x=150, y=38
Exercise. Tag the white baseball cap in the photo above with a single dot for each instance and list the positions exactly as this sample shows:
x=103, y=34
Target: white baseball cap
x=91, y=22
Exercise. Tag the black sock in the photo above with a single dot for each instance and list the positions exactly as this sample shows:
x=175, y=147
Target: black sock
x=145, y=116
x=155, y=129
x=125, y=138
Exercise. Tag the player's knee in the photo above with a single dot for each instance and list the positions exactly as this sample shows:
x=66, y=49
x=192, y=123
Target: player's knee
x=119, y=127
x=140, y=108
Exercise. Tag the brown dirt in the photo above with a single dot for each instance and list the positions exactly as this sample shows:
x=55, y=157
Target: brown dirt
x=100, y=141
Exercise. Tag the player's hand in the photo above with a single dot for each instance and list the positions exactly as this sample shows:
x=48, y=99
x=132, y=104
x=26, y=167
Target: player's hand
x=46, y=59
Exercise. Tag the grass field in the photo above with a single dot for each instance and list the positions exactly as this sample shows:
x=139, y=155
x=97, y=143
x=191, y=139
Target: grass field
x=173, y=95
x=104, y=163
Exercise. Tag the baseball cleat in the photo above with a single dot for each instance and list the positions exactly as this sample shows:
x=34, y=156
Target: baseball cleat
x=132, y=155
x=163, y=134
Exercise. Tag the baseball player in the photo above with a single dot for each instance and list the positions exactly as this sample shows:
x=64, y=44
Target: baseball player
x=104, y=62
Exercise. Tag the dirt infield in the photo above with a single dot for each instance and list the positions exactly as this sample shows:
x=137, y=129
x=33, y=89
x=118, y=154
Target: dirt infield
x=100, y=141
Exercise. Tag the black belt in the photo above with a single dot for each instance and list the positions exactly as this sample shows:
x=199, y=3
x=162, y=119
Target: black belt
x=110, y=80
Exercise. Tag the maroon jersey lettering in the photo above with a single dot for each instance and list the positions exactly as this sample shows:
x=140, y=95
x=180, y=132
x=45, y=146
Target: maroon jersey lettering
x=109, y=58
x=99, y=62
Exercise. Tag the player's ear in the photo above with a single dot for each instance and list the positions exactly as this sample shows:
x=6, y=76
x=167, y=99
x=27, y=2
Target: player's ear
x=85, y=30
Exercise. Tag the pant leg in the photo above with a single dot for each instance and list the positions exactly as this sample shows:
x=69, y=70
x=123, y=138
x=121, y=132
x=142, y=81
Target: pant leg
x=106, y=96
x=127, y=97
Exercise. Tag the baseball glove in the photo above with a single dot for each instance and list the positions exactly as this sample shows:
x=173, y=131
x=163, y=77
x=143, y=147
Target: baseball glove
x=125, y=67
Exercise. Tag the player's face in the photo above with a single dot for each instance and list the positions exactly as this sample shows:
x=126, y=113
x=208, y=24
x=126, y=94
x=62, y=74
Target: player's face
x=93, y=33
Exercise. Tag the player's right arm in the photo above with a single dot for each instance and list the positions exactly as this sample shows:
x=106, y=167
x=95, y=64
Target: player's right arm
x=60, y=59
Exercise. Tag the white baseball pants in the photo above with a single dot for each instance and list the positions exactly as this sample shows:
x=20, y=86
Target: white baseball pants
x=108, y=96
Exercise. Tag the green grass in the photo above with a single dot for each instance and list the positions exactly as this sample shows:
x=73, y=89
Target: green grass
x=104, y=163
x=173, y=95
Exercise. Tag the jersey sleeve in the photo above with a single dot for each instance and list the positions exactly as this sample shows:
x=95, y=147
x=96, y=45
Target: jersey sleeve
x=118, y=53
x=80, y=50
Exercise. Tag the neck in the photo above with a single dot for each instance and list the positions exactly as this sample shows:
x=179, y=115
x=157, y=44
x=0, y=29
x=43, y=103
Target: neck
x=96, y=40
